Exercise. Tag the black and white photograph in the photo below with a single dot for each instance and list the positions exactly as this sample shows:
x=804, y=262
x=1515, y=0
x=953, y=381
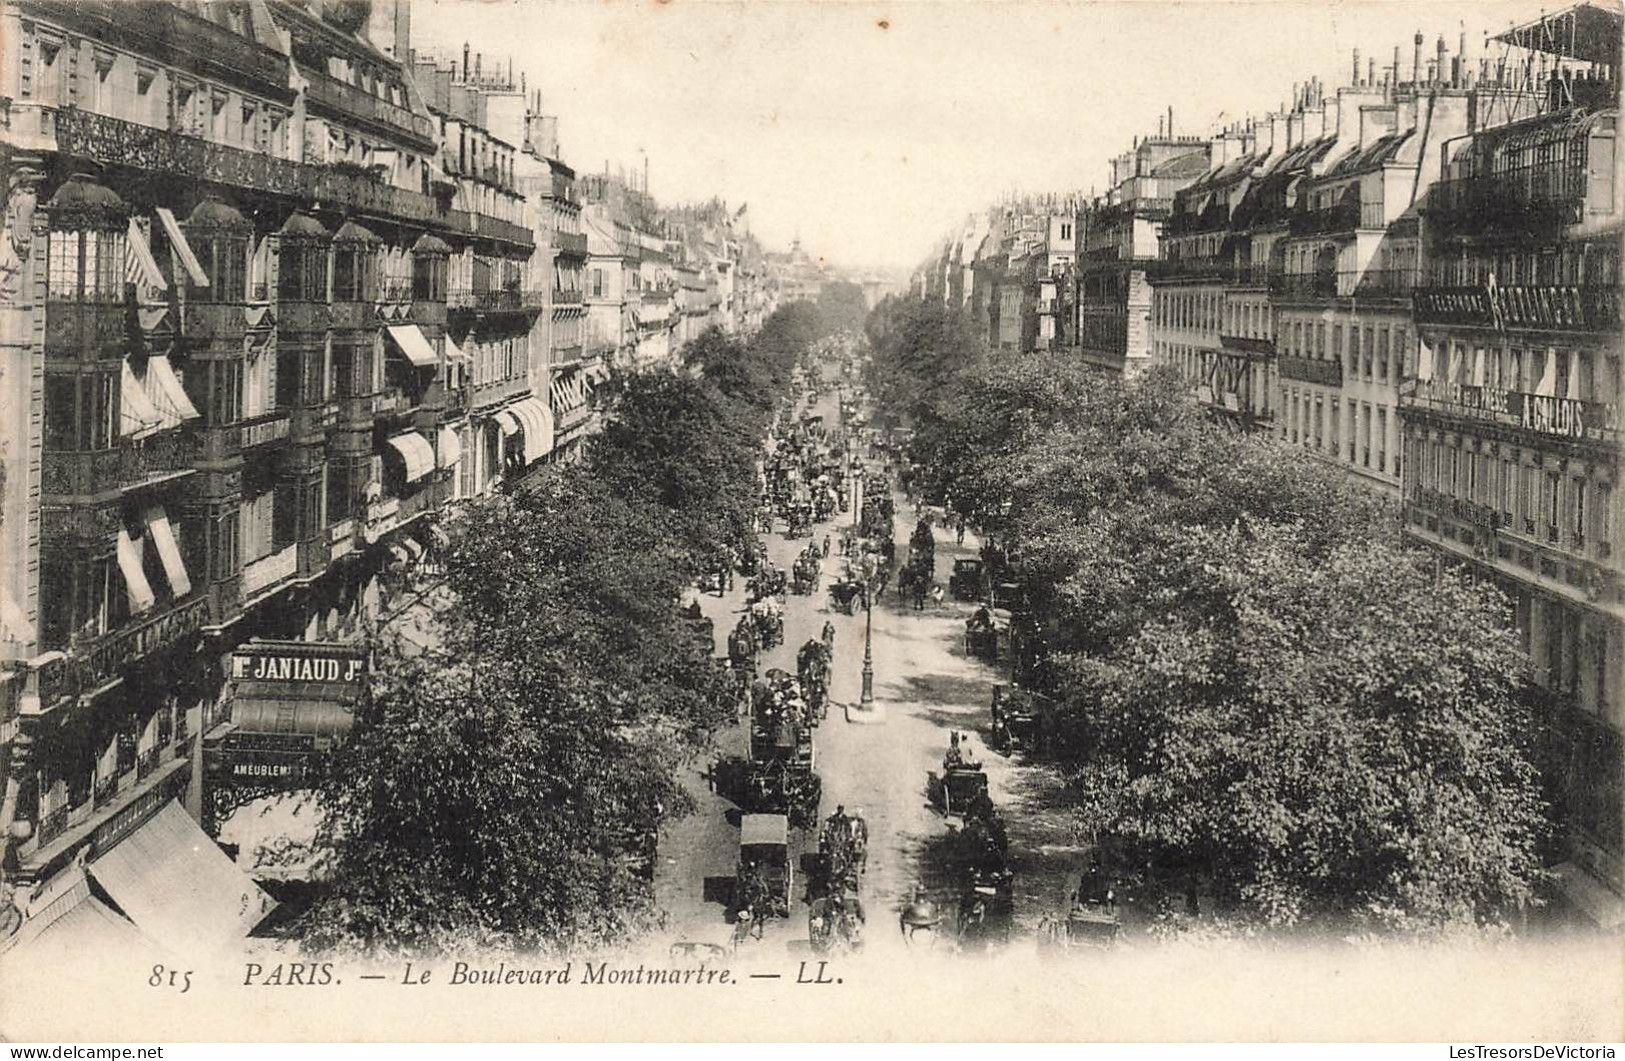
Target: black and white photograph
x=811, y=520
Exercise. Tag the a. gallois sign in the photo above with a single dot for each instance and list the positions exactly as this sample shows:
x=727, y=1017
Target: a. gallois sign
x=297, y=663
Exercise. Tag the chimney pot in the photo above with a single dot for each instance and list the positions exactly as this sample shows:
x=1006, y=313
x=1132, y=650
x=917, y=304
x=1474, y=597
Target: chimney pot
x=1356, y=75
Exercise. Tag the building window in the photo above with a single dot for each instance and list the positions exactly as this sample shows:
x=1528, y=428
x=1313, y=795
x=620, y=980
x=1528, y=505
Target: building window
x=85, y=266
x=302, y=272
x=353, y=273
x=1382, y=440
x=1370, y=349
x=1382, y=354
x=1552, y=498
x=428, y=279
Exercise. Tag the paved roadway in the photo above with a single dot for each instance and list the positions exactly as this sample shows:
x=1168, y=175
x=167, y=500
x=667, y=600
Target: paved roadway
x=926, y=687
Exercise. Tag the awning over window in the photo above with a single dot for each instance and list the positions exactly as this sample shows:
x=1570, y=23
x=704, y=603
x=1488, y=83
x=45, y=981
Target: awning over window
x=183, y=249
x=451, y=447
x=135, y=578
x=506, y=422
x=416, y=452
x=411, y=342
x=179, y=888
x=326, y=721
x=537, y=420
x=140, y=267
x=137, y=417
x=165, y=394
x=73, y=927
x=162, y=535
x=453, y=351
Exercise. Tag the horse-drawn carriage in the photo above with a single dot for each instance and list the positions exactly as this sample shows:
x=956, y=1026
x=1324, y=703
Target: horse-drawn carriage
x=769, y=581
x=798, y=520
x=1016, y=719
x=986, y=908
x=835, y=920
x=845, y=594
x=1092, y=919
x=767, y=615
x=765, y=877
x=966, y=581
x=812, y=669
x=982, y=637
x=805, y=571
x=963, y=784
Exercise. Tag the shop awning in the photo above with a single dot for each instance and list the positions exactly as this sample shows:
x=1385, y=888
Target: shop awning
x=451, y=448
x=73, y=927
x=150, y=317
x=453, y=351
x=183, y=249
x=178, y=887
x=506, y=422
x=135, y=578
x=409, y=339
x=325, y=721
x=537, y=420
x=416, y=452
x=137, y=417
x=140, y=267
x=162, y=535
x=413, y=547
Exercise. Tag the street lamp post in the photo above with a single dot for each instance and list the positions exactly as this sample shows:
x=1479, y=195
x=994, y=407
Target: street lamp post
x=867, y=700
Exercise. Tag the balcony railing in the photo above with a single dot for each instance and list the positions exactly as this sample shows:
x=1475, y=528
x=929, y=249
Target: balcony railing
x=92, y=664
x=1544, y=307
x=496, y=228
x=395, y=291
x=1540, y=413
x=267, y=571
x=568, y=296
x=146, y=762
x=1539, y=197
x=119, y=143
x=573, y=244
x=351, y=102
x=1311, y=370
x=272, y=427
x=1344, y=217
x=156, y=458
x=1367, y=284
x=1480, y=515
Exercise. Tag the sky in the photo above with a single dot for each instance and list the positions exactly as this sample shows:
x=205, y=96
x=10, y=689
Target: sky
x=872, y=130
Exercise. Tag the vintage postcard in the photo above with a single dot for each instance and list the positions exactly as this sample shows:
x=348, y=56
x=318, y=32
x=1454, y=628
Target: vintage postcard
x=550, y=520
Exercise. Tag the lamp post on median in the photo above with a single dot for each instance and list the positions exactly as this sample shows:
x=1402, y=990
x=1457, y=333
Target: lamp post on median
x=866, y=700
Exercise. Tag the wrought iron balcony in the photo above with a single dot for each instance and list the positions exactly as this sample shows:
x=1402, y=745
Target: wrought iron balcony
x=1540, y=413
x=570, y=244
x=346, y=101
x=119, y=143
x=263, y=430
x=1371, y=284
x=1311, y=370
x=496, y=228
x=1537, y=198
x=92, y=663
x=267, y=571
x=1541, y=307
x=1344, y=217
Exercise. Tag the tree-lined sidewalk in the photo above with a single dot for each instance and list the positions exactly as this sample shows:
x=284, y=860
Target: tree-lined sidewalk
x=1265, y=701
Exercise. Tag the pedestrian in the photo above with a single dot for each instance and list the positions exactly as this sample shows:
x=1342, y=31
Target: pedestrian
x=959, y=532
x=826, y=546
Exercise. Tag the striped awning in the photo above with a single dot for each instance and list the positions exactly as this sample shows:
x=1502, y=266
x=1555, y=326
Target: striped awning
x=451, y=448
x=537, y=421
x=140, y=267
x=183, y=249
x=162, y=536
x=410, y=341
x=415, y=451
x=164, y=392
x=137, y=417
x=135, y=576
x=179, y=887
